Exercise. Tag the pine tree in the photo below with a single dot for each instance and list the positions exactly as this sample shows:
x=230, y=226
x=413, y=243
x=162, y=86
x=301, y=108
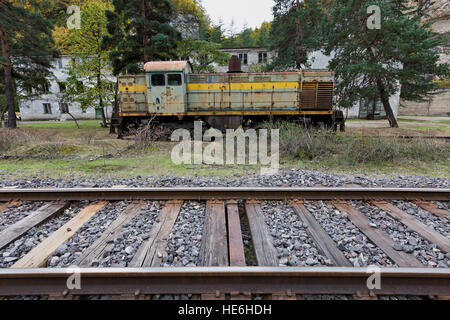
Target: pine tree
x=140, y=31
x=26, y=43
x=374, y=63
x=296, y=31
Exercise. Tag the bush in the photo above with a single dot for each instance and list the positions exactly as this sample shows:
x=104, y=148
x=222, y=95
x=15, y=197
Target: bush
x=299, y=142
x=12, y=137
x=145, y=136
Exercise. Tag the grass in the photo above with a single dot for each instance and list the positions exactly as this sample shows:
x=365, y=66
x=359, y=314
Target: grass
x=60, y=124
x=444, y=84
x=59, y=151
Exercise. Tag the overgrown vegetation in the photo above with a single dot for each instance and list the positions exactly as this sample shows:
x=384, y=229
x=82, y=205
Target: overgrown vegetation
x=146, y=136
x=60, y=150
x=10, y=138
x=316, y=145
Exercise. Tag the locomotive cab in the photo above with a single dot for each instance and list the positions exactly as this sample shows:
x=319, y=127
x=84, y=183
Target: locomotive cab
x=166, y=86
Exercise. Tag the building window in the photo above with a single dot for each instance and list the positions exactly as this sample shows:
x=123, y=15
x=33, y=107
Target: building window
x=174, y=80
x=83, y=110
x=64, y=107
x=262, y=57
x=60, y=64
x=47, y=108
x=244, y=58
x=158, y=80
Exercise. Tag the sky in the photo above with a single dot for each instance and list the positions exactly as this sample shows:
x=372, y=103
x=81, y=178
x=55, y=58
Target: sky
x=250, y=12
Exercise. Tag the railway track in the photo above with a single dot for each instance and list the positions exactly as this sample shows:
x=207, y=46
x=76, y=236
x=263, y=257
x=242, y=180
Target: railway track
x=240, y=255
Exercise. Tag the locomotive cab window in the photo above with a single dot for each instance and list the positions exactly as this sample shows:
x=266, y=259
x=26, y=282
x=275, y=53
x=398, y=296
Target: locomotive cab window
x=174, y=80
x=158, y=80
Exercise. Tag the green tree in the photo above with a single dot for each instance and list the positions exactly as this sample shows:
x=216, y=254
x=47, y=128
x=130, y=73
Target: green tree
x=140, y=31
x=262, y=35
x=297, y=30
x=373, y=63
x=246, y=38
x=26, y=42
x=202, y=53
x=90, y=64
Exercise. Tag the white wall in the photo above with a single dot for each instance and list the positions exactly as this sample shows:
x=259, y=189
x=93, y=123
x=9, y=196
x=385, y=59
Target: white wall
x=318, y=60
x=252, y=58
x=33, y=108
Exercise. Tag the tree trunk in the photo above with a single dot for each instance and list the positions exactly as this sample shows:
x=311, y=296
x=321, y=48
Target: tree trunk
x=9, y=90
x=102, y=108
x=115, y=114
x=74, y=119
x=100, y=99
x=387, y=106
x=105, y=125
x=144, y=31
x=297, y=39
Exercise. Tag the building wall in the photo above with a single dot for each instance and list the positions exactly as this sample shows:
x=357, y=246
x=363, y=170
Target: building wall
x=438, y=105
x=318, y=60
x=252, y=58
x=33, y=108
x=439, y=13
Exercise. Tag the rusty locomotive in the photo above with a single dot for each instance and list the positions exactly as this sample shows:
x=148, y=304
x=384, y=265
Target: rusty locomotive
x=169, y=93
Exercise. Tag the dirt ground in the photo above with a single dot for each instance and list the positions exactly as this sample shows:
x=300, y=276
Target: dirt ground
x=409, y=126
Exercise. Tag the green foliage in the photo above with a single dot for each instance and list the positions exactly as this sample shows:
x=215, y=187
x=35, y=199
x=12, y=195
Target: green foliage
x=303, y=22
x=140, y=31
x=211, y=33
x=401, y=52
x=54, y=11
x=202, y=53
x=88, y=82
x=30, y=48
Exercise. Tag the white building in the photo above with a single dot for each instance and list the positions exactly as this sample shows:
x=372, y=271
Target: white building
x=252, y=58
x=49, y=107
x=364, y=108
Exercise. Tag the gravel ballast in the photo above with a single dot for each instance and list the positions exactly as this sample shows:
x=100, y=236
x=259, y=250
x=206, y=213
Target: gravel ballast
x=130, y=238
x=294, y=246
x=405, y=239
x=438, y=224
x=357, y=248
x=185, y=240
x=73, y=248
x=286, y=178
x=15, y=213
x=19, y=248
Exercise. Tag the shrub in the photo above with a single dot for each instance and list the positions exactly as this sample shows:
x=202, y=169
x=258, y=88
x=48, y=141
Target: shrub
x=296, y=141
x=13, y=137
x=145, y=136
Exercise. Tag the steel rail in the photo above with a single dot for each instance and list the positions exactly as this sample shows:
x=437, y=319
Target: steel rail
x=187, y=193
x=257, y=280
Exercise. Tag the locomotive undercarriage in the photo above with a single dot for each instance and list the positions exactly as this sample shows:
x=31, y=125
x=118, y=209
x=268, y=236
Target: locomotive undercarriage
x=129, y=125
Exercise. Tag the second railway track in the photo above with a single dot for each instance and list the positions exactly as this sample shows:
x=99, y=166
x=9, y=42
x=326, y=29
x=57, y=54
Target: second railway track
x=220, y=243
